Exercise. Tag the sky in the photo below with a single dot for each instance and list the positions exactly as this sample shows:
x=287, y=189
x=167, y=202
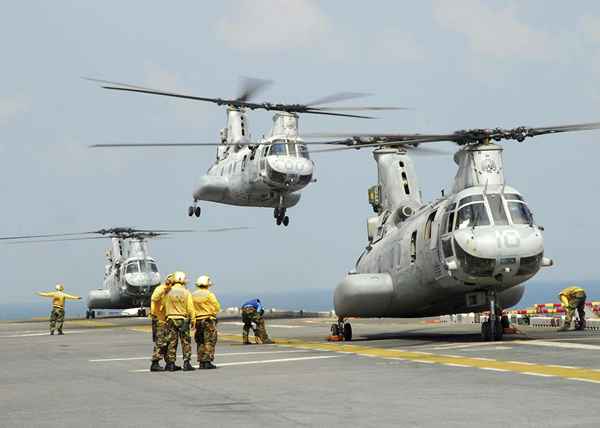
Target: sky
x=459, y=64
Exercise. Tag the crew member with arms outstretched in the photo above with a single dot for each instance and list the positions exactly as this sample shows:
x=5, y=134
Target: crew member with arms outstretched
x=206, y=307
x=252, y=313
x=57, y=316
x=179, y=308
x=572, y=299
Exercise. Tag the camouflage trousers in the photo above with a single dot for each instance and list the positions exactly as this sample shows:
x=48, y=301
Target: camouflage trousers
x=251, y=316
x=577, y=303
x=57, y=318
x=206, y=339
x=178, y=329
x=161, y=340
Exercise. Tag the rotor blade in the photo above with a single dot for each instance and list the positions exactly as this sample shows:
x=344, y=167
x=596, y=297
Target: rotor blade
x=48, y=235
x=359, y=108
x=169, y=145
x=337, y=114
x=338, y=96
x=163, y=230
x=564, y=128
x=224, y=229
x=251, y=86
x=413, y=149
x=55, y=240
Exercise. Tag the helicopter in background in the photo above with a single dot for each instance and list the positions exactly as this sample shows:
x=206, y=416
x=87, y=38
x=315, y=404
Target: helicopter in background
x=130, y=273
x=268, y=173
x=469, y=251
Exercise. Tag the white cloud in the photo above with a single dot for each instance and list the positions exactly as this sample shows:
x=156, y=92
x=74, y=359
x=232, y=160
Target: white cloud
x=495, y=33
x=273, y=25
x=13, y=107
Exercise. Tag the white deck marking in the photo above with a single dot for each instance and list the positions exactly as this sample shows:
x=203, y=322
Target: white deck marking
x=456, y=365
x=537, y=374
x=244, y=363
x=106, y=360
x=495, y=369
x=423, y=361
x=522, y=362
x=46, y=333
x=563, y=367
x=558, y=344
x=583, y=380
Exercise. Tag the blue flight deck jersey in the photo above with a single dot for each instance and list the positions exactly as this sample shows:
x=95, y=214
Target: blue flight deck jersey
x=255, y=303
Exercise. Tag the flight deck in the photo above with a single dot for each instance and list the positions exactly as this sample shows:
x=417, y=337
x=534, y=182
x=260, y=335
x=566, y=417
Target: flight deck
x=394, y=373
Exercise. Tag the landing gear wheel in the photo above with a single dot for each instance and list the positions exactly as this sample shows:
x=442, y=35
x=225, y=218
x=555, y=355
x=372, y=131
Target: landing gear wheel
x=88, y=315
x=276, y=213
x=286, y=220
x=278, y=221
x=93, y=315
x=347, y=332
x=505, y=321
x=492, y=335
x=190, y=211
x=197, y=211
x=335, y=330
x=486, y=335
x=498, y=331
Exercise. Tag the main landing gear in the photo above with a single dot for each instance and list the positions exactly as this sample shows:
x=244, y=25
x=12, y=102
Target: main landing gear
x=493, y=329
x=280, y=217
x=142, y=313
x=342, y=329
x=194, y=210
x=90, y=314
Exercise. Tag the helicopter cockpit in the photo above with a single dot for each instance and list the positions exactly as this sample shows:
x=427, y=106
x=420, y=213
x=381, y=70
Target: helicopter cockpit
x=490, y=237
x=140, y=276
x=287, y=163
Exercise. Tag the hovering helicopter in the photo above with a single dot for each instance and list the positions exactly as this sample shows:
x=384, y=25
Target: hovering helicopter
x=469, y=251
x=130, y=273
x=269, y=173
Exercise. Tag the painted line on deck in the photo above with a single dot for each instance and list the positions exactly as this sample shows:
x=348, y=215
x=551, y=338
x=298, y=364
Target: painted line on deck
x=517, y=367
x=269, y=325
x=558, y=344
x=46, y=333
x=226, y=354
x=245, y=363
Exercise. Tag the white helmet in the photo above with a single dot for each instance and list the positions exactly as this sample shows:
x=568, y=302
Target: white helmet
x=204, y=281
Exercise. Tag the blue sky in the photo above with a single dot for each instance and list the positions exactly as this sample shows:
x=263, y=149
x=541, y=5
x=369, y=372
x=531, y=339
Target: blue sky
x=459, y=64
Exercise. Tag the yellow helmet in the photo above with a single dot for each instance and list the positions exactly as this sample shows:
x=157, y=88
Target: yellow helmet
x=59, y=287
x=179, y=278
x=204, y=281
x=169, y=279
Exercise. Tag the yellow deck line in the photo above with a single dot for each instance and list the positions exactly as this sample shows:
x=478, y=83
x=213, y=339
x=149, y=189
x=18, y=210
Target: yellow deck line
x=526, y=368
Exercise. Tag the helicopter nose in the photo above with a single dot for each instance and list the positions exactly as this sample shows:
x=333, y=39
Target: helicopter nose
x=499, y=252
x=290, y=171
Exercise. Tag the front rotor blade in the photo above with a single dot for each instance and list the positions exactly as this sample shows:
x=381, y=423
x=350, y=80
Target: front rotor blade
x=35, y=241
x=564, y=128
x=359, y=108
x=169, y=145
x=311, y=111
x=48, y=235
x=251, y=86
x=338, y=96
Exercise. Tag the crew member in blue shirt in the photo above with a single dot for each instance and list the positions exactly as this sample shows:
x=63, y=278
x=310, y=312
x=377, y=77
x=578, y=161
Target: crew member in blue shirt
x=252, y=313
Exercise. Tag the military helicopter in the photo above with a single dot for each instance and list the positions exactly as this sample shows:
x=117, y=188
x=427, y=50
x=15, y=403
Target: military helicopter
x=130, y=273
x=469, y=251
x=268, y=173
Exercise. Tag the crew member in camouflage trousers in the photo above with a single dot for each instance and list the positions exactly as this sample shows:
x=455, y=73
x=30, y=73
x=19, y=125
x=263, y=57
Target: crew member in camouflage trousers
x=206, y=307
x=180, y=315
x=160, y=332
x=252, y=313
x=57, y=315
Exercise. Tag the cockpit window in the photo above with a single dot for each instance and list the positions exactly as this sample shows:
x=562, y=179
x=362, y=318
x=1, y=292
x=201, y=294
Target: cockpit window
x=497, y=209
x=469, y=199
x=302, y=151
x=472, y=215
x=519, y=213
x=132, y=267
x=291, y=147
x=278, y=150
x=153, y=267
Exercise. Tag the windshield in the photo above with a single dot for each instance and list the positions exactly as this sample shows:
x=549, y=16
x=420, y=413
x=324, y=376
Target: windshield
x=278, y=150
x=519, y=213
x=497, y=209
x=302, y=151
x=132, y=268
x=472, y=215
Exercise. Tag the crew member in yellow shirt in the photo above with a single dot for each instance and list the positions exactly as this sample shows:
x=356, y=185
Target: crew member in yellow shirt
x=179, y=309
x=206, y=307
x=160, y=332
x=573, y=298
x=57, y=316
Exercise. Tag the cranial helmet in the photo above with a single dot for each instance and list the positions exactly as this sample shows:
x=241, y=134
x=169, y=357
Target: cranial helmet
x=59, y=287
x=179, y=278
x=204, y=281
x=169, y=279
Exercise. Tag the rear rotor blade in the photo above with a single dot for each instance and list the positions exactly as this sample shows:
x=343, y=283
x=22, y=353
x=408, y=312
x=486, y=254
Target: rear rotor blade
x=251, y=86
x=35, y=241
x=338, y=96
x=48, y=235
x=169, y=145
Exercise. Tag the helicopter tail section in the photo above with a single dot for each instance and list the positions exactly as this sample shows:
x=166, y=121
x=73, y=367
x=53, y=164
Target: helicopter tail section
x=397, y=182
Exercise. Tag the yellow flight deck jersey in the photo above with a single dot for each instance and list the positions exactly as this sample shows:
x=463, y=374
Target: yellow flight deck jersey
x=157, y=308
x=206, y=304
x=178, y=303
x=58, y=297
x=569, y=293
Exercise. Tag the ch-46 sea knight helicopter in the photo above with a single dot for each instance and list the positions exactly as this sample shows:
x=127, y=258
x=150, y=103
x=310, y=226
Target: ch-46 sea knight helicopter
x=268, y=173
x=469, y=251
x=130, y=273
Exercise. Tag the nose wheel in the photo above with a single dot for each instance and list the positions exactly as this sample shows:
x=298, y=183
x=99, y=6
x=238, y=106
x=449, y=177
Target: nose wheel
x=280, y=217
x=194, y=210
x=492, y=330
x=90, y=314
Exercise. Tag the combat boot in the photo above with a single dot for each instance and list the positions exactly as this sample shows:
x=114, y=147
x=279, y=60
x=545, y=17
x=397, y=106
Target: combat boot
x=51, y=332
x=171, y=367
x=155, y=367
x=187, y=367
x=268, y=341
x=209, y=365
x=60, y=333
